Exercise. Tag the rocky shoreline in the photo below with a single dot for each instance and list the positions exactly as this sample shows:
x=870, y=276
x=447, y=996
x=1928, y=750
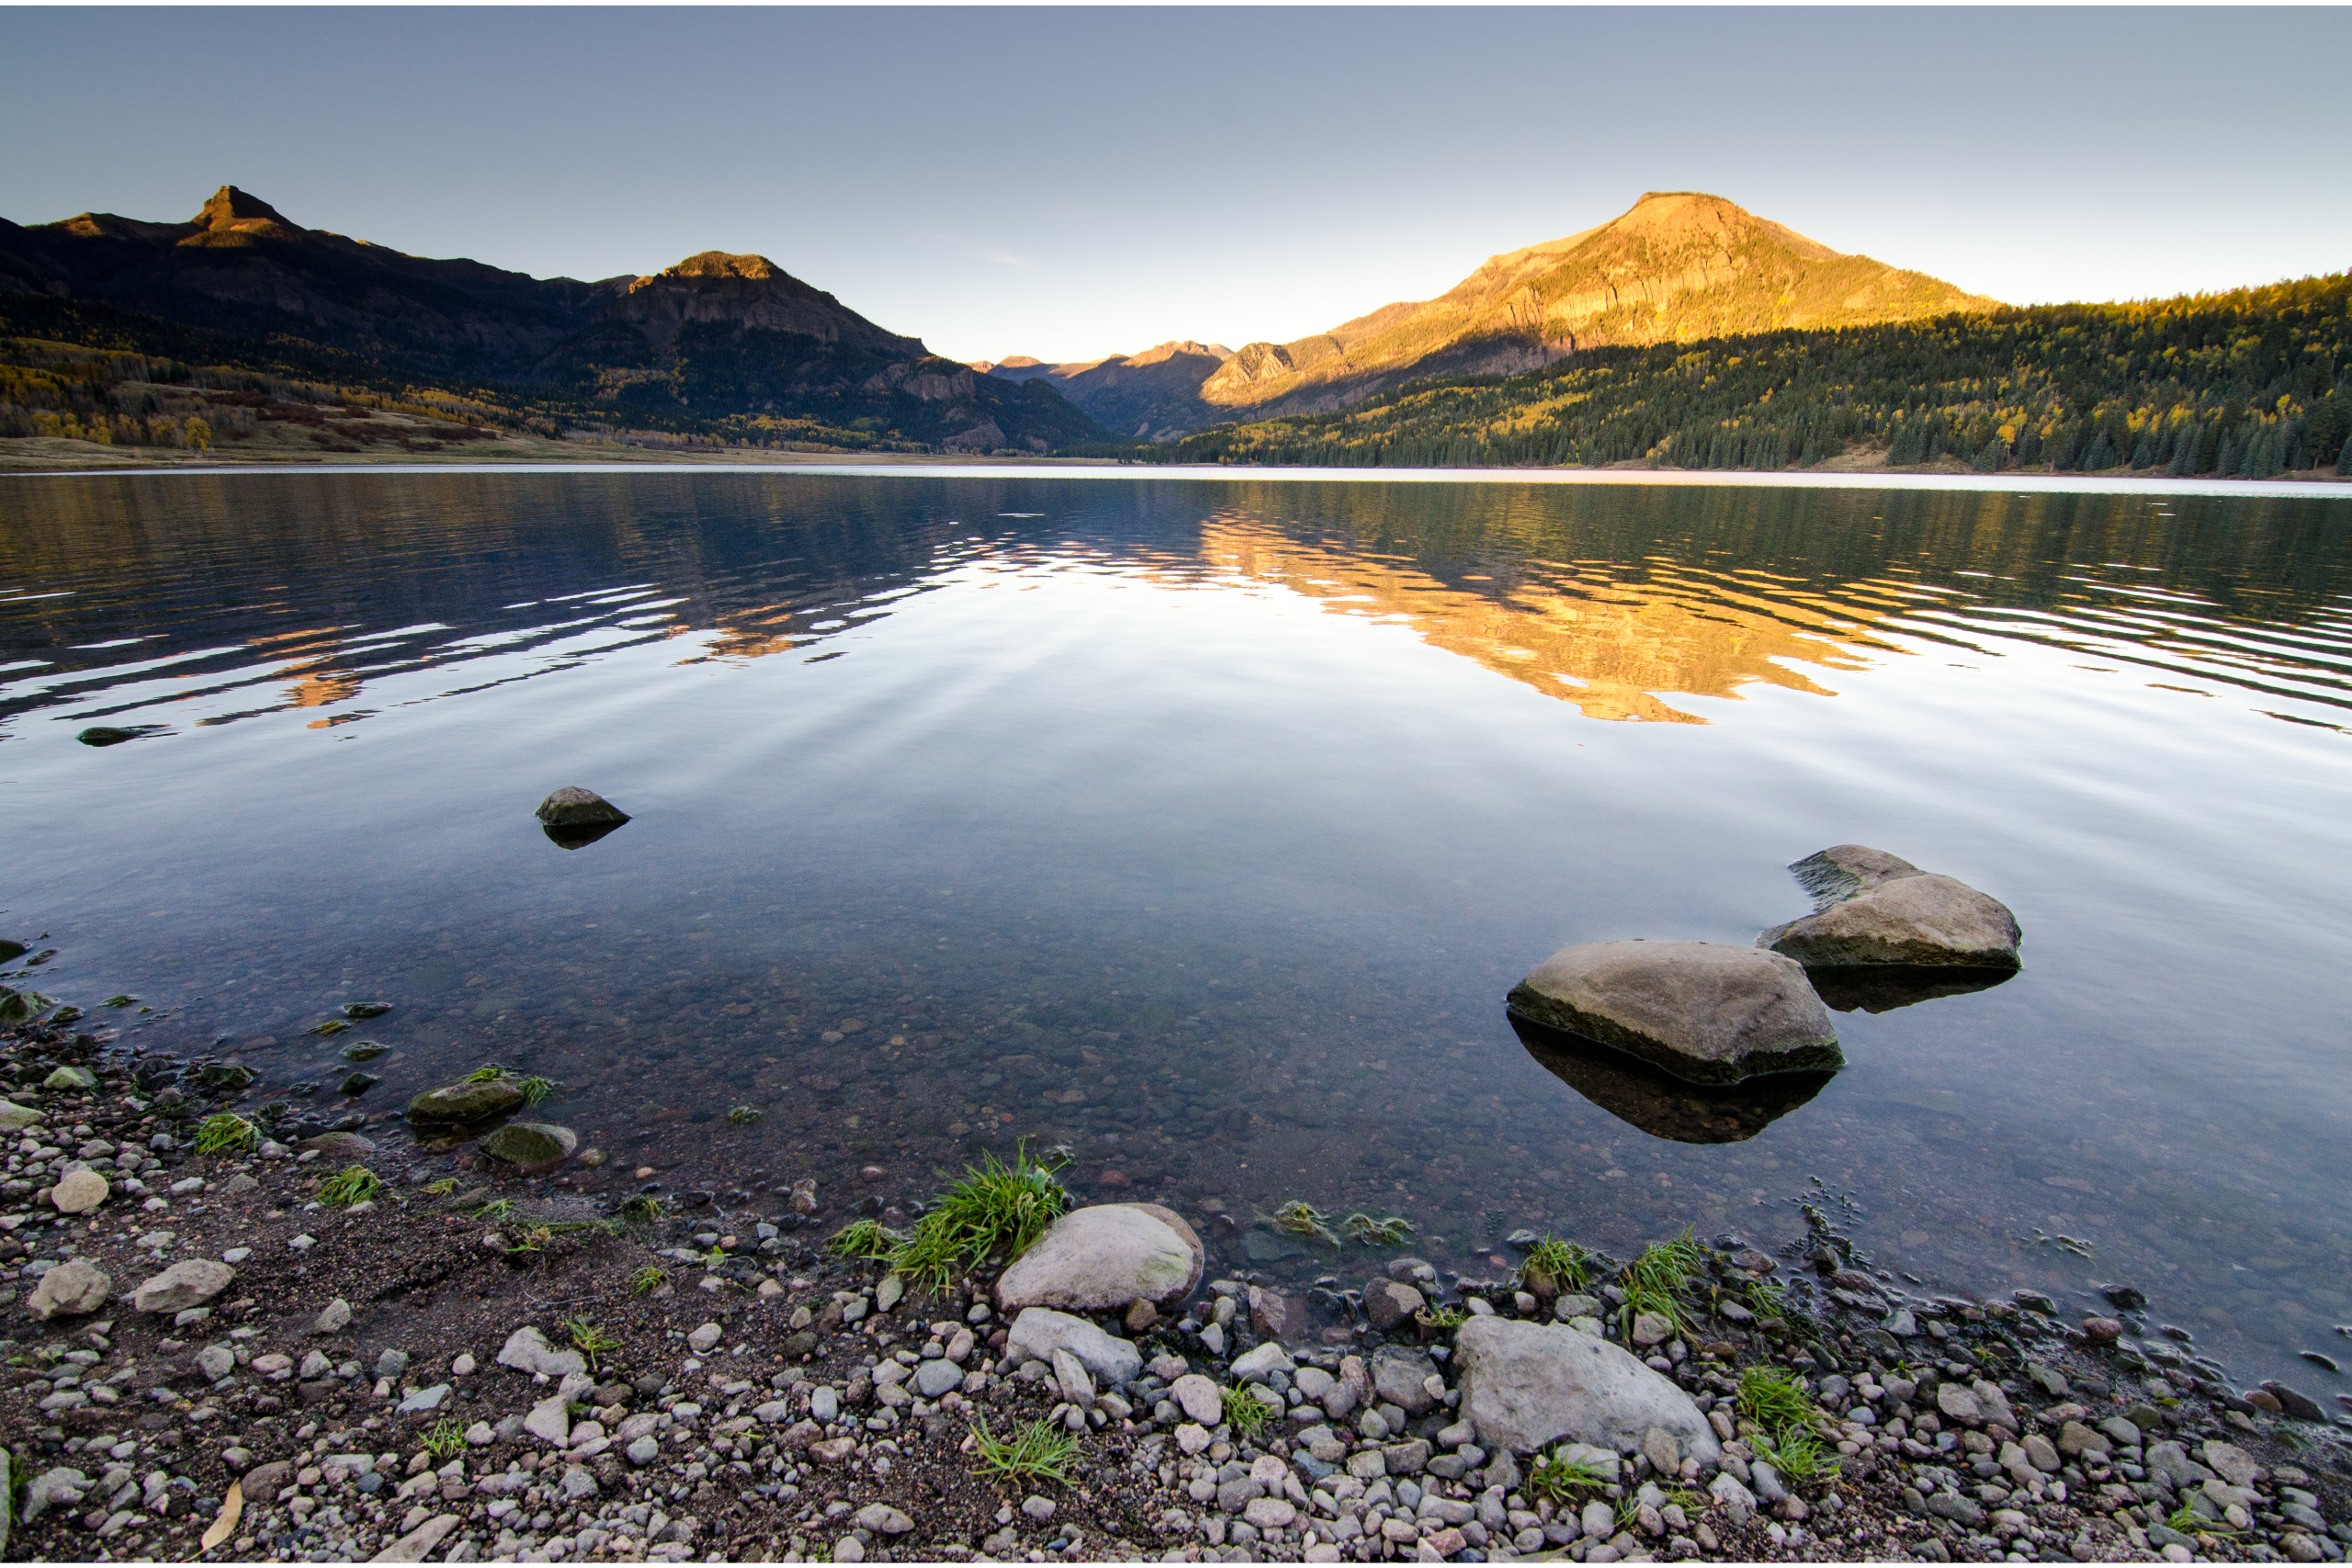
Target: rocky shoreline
x=469, y=1365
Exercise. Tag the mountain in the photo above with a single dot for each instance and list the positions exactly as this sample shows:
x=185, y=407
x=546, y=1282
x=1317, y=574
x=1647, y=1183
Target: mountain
x=2253, y=383
x=1677, y=267
x=1155, y=393
x=715, y=337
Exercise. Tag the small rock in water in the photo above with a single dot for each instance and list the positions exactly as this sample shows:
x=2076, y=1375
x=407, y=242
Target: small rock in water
x=460, y=1103
x=531, y=1147
x=574, y=817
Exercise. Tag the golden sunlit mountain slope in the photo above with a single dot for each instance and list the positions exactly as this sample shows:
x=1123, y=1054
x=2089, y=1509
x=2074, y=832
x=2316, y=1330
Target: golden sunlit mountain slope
x=1677, y=267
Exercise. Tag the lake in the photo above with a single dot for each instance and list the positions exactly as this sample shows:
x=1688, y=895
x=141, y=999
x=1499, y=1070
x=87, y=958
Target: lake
x=1200, y=826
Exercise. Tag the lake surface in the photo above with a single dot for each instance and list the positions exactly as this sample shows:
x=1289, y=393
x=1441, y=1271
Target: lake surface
x=1202, y=825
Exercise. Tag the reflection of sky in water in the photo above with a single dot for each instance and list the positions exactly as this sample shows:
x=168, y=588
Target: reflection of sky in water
x=1191, y=824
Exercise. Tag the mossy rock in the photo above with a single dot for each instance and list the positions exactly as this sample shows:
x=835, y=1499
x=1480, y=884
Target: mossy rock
x=464, y=1102
x=531, y=1146
x=225, y=1078
x=71, y=1079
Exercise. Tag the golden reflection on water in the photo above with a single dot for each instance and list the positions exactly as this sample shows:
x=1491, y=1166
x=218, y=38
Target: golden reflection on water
x=1612, y=644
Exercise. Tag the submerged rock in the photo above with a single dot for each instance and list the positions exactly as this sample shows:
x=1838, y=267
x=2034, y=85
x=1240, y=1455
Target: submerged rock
x=1657, y=1102
x=458, y=1103
x=108, y=735
x=1526, y=1384
x=1104, y=1258
x=1704, y=1011
x=531, y=1146
x=1872, y=907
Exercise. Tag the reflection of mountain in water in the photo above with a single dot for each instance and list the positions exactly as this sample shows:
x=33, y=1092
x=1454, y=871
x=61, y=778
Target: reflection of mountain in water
x=467, y=583
x=1584, y=633
x=1661, y=1106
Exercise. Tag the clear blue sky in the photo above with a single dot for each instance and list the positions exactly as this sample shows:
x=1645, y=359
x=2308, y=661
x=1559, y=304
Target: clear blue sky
x=1072, y=182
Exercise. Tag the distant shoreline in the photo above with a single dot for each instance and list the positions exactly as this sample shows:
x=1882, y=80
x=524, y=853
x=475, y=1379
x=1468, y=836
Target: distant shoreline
x=15, y=464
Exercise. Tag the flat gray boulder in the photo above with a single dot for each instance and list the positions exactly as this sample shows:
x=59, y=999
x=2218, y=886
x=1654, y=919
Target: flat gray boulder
x=72, y=1289
x=1038, y=1332
x=1705, y=1012
x=1872, y=907
x=1528, y=1384
x=188, y=1283
x=1104, y=1258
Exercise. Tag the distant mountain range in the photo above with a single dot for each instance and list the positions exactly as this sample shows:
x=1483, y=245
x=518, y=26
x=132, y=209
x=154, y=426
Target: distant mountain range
x=716, y=336
x=1678, y=266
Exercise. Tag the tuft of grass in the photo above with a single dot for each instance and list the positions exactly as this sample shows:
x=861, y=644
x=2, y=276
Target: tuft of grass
x=491, y=1074
x=647, y=1280
x=440, y=1189
x=1556, y=1267
x=447, y=1440
x=1299, y=1217
x=1245, y=1412
x=1039, y=1451
x=2188, y=1521
x=591, y=1341
x=535, y=1089
x=1557, y=1478
x=1771, y=1398
x=1440, y=1317
x=1657, y=1281
x=356, y=1184
x=997, y=1210
x=644, y=1208
x=869, y=1239
x=225, y=1131
x=330, y=1027
x=1797, y=1454
x=496, y=1209
x=1393, y=1231
x=744, y=1115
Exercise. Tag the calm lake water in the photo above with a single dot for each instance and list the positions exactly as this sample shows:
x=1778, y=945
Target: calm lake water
x=1203, y=825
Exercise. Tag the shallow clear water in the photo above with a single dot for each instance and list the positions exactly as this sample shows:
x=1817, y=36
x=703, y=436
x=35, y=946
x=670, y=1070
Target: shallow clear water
x=1203, y=825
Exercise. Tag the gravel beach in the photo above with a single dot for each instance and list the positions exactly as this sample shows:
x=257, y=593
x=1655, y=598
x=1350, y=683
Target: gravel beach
x=474, y=1364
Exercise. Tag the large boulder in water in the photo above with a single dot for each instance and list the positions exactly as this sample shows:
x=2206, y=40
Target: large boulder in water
x=1872, y=907
x=1704, y=1011
x=1527, y=1384
x=459, y=1103
x=1104, y=1258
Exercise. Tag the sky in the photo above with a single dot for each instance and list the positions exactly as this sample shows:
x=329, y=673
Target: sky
x=1072, y=182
